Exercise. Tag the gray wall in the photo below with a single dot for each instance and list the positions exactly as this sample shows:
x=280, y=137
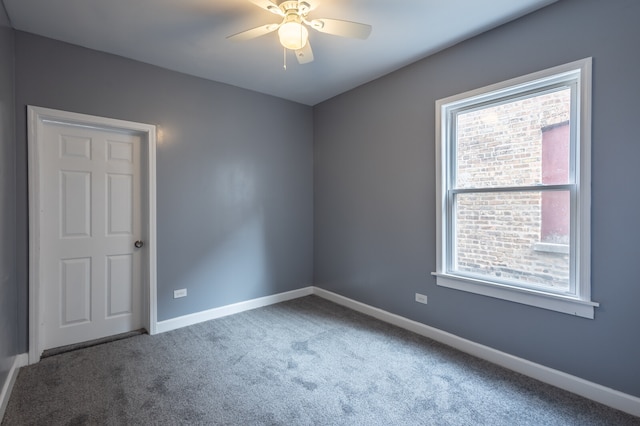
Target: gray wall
x=8, y=284
x=375, y=191
x=234, y=174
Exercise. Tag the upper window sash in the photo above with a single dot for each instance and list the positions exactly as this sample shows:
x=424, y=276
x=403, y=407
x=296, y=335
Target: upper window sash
x=568, y=80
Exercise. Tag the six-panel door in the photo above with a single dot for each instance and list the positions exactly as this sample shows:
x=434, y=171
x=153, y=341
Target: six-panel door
x=91, y=218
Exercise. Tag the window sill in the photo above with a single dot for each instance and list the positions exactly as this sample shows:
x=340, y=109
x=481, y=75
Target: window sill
x=558, y=303
x=551, y=248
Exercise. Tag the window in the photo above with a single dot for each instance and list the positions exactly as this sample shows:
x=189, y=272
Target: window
x=513, y=171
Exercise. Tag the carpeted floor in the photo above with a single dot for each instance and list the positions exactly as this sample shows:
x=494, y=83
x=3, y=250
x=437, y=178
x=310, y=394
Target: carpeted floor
x=302, y=362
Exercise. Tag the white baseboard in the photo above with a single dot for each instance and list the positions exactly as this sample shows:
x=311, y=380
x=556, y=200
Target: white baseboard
x=198, y=317
x=18, y=361
x=604, y=395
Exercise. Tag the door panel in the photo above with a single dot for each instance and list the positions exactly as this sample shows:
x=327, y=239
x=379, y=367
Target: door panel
x=75, y=199
x=75, y=147
x=75, y=291
x=120, y=204
x=119, y=285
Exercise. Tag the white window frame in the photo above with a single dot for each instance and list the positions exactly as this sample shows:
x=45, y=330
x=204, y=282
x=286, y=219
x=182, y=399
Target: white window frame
x=578, y=300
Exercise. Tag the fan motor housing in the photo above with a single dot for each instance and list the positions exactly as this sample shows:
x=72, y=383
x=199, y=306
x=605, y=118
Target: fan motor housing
x=300, y=8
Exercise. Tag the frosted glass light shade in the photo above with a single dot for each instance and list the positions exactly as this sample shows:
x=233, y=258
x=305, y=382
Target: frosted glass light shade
x=293, y=35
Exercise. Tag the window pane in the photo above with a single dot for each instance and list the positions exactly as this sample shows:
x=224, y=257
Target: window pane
x=500, y=237
x=519, y=143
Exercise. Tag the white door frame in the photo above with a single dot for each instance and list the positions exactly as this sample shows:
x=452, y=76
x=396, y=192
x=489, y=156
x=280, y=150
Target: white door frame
x=37, y=118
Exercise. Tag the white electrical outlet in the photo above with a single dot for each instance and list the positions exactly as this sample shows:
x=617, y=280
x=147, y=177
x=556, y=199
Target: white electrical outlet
x=421, y=298
x=182, y=293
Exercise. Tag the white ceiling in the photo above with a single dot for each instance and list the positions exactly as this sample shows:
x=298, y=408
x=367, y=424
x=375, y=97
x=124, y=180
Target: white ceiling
x=190, y=36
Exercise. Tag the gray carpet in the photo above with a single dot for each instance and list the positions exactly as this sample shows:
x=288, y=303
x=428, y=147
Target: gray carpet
x=303, y=362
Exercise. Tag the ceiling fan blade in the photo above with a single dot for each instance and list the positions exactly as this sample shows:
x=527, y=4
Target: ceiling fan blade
x=254, y=32
x=305, y=55
x=341, y=28
x=268, y=5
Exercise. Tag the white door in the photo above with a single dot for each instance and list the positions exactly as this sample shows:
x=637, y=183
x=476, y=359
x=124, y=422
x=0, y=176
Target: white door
x=90, y=280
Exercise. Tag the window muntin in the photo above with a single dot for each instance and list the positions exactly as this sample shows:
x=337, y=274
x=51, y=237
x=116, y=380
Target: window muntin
x=513, y=190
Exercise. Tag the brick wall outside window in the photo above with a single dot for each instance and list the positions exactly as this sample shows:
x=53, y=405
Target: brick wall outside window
x=499, y=234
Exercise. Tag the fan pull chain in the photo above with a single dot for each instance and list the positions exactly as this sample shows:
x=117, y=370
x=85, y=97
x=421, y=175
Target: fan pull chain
x=284, y=50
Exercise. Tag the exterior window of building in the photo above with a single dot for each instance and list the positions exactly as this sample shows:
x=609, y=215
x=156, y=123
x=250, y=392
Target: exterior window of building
x=555, y=220
x=513, y=167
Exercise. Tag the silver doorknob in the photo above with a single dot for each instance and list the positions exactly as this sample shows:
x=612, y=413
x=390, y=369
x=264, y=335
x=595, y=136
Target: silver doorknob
x=138, y=244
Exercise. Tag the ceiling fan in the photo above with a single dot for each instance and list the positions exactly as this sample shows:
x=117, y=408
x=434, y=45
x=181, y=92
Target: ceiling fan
x=292, y=30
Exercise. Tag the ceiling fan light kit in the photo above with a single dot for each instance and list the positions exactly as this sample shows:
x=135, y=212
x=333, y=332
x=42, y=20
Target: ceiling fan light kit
x=292, y=30
x=293, y=35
